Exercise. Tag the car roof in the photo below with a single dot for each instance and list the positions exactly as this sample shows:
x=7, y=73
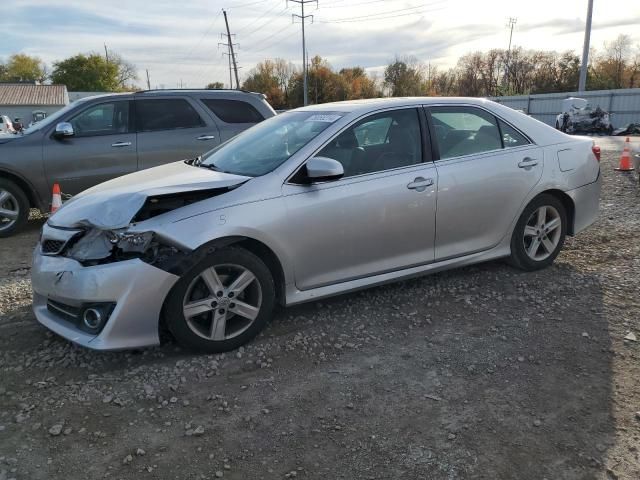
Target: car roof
x=371, y=104
x=169, y=92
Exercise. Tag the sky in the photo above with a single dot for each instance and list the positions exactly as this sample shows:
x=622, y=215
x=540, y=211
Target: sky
x=177, y=41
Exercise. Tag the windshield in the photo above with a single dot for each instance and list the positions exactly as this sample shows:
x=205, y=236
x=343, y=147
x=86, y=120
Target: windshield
x=266, y=146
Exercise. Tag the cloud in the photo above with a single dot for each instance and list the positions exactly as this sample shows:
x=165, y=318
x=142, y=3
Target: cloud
x=179, y=40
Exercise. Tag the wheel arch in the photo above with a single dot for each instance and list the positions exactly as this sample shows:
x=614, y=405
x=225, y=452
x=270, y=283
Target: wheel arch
x=568, y=204
x=258, y=248
x=29, y=191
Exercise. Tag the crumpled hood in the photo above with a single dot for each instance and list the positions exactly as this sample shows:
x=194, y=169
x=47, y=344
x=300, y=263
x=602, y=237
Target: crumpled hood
x=112, y=205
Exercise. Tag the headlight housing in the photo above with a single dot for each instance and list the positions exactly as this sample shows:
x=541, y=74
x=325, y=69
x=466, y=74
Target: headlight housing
x=98, y=245
x=130, y=241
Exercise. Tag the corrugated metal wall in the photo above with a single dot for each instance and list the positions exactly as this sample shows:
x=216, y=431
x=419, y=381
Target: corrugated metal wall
x=623, y=104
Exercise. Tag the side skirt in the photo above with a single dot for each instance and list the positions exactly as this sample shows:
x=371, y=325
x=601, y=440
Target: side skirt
x=295, y=296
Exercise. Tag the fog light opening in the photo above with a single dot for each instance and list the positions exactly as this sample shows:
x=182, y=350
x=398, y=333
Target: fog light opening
x=92, y=318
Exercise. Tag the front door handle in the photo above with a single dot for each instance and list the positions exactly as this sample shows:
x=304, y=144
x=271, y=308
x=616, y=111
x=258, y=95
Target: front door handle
x=121, y=144
x=206, y=137
x=527, y=162
x=420, y=184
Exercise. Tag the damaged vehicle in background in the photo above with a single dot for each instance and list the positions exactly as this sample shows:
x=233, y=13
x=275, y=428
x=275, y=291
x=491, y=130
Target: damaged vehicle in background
x=98, y=138
x=579, y=117
x=311, y=203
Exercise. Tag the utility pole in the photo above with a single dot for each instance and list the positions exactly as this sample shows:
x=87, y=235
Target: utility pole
x=106, y=53
x=510, y=25
x=148, y=81
x=228, y=54
x=303, y=17
x=582, y=83
x=230, y=43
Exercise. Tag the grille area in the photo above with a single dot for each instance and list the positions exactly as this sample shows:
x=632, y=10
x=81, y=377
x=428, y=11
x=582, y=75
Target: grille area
x=67, y=312
x=51, y=247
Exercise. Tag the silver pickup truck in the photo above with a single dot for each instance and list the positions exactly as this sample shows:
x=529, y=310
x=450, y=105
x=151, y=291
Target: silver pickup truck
x=102, y=137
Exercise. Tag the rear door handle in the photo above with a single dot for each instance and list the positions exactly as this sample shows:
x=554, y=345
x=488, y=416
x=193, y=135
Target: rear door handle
x=528, y=163
x=420, y=184
x=206, y=137
x=121, y=144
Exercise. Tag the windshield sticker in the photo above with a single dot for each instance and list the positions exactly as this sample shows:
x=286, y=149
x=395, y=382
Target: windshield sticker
x=323, y=118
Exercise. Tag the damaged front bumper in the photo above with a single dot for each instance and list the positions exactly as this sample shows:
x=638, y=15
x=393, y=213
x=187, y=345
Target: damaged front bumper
x=61, y=284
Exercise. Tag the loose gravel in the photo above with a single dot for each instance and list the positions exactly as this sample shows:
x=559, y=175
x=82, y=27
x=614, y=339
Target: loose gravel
x=482, y=372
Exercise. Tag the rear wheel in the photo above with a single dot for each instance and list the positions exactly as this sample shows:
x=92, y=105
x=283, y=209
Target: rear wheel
x=222, y=302
x=539, y=233
x=14, y=208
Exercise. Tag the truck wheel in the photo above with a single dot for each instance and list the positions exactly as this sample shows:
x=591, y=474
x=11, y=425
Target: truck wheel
x=14, y=208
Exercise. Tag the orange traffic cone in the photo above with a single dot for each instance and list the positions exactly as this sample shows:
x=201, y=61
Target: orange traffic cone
x=56, y=201
x=625, y=158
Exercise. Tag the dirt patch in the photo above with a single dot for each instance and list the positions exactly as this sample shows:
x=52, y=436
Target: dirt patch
x=482, y=372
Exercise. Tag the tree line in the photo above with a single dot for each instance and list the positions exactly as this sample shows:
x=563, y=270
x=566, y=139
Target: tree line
x=478, y=74
x=89, y=72
x=492, y=73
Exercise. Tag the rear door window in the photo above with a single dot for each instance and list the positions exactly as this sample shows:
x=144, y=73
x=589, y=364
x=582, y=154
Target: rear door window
x=233, y=111
x=464, y=131
x=166, y=114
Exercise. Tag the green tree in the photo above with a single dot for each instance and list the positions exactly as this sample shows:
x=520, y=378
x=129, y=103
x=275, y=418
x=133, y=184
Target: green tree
x=86, y=73
x=264, y=79
x=127, y=72
x=403, y=78
x=23, y=68
x=214, y=86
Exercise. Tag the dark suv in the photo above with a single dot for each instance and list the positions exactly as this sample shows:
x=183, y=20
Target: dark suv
x=102, y=137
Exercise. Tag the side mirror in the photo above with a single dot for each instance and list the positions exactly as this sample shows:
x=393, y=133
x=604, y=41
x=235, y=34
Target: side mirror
x=322, y=169
x=64, y=129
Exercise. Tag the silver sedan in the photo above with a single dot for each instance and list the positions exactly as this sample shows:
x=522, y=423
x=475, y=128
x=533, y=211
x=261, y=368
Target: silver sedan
x=312, y=203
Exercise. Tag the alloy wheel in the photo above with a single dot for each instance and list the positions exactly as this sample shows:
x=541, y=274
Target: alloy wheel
x=222, y=302
x=9, y=209
x=542, y=233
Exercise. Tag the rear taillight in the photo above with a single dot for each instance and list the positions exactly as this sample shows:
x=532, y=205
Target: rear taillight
x=596, y=151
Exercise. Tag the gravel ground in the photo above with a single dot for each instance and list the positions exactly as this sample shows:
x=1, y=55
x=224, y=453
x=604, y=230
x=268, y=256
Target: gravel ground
x=482, y=372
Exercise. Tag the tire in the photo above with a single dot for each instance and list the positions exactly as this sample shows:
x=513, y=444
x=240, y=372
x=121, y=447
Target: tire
x=222, y=320
x=12, y=201
x=525, y=255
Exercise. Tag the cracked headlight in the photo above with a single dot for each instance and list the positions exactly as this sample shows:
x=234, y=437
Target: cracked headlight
x=131, y=241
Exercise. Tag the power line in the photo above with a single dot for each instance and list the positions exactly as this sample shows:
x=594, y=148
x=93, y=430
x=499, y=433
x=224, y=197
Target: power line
x=302, y=18
x=276, y=36
x=362, y=17
x=256, y=20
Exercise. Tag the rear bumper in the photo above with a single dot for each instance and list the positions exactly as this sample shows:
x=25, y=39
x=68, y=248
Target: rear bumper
x=586, y=200
x=138, y=290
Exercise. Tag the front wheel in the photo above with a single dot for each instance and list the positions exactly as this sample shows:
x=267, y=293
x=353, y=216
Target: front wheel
x=222, y=302
x=539, y=233
x=14, y=208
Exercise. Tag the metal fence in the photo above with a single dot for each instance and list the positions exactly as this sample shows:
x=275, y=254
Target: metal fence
x=623, y=104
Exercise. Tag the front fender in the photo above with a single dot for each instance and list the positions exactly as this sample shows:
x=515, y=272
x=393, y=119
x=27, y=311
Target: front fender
x=262, y=221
